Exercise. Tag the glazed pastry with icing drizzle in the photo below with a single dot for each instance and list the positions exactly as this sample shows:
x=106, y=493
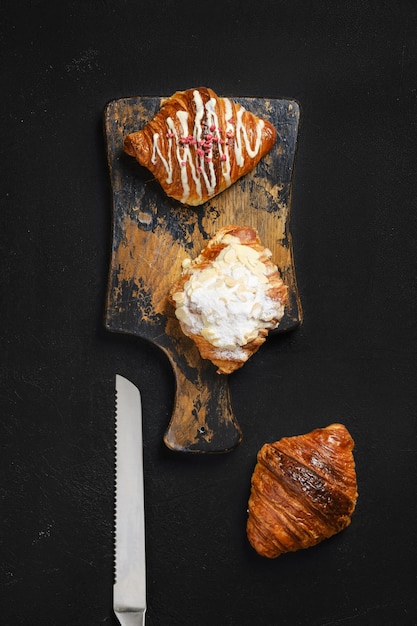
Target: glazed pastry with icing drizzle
x=229, y=297
x=198, y=144
x=303, y=490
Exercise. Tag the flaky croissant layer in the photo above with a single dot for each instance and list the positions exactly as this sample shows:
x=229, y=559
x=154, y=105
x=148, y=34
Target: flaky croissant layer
x=303, y=490
x=198, y=144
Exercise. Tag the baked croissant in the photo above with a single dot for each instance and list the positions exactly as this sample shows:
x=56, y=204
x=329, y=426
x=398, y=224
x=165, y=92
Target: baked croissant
x=229, y=297
x=198, y=144
x=303, y=491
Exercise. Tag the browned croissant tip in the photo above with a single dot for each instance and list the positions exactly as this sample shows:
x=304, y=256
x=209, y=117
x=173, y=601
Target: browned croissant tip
x=303, y=490
x=128, y=145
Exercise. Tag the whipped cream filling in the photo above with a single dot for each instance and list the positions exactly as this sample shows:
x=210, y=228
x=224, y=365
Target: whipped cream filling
x=227, y=302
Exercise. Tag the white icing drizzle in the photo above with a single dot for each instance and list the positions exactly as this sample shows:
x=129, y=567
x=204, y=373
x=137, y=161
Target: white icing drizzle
x=156, y=150
x=199, y=115
x=241, y=131
x=195, y=148
x=213, y=120
x=183, y=119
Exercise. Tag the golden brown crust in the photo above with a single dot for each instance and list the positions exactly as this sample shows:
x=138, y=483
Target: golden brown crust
x=230, y=364
x=197, y=156
x=303, y=490
x=276, y=291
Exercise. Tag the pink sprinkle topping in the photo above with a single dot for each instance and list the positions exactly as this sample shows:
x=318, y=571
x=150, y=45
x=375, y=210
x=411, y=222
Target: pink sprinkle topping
x=231, y=121
x=170, y=135
x=183, y=163
x=190, y=140
x=212, y=127
x=209, y=136
x=200, y=152
x=229, y=134
x=199, y=169
x=223, y=157
x=208, y=159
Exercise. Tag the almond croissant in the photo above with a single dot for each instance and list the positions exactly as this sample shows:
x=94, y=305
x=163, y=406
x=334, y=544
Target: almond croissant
x=198, y=144
x=303, y=491
x=229, y=297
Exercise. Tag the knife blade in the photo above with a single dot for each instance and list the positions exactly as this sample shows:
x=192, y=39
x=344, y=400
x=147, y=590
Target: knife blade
x=129, y=590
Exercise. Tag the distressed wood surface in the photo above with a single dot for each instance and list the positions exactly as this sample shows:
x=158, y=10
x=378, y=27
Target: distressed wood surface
x=153, y=233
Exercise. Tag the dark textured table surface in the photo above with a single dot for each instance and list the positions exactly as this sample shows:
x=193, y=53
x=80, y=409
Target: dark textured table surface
x=352, y=66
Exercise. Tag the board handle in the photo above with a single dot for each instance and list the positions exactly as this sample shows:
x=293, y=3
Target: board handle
x=202, y=419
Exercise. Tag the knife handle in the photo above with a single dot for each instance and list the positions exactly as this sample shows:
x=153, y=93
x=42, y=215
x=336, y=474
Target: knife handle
x=202, y=419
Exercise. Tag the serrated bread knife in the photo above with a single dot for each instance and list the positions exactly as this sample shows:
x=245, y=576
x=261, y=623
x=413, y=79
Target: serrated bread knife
x=129, y=591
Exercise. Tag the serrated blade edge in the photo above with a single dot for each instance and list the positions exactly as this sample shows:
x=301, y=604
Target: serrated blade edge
x=129, y=591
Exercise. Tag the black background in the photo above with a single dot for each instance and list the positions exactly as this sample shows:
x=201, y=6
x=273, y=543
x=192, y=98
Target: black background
x=352, y=66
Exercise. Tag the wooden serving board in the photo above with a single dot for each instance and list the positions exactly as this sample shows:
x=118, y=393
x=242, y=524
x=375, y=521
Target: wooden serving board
x=153, y=233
